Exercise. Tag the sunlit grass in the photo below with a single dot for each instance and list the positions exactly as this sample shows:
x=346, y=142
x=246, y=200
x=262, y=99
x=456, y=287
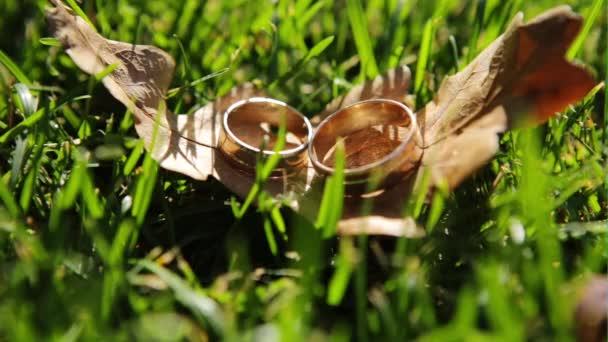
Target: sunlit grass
x=97, y=242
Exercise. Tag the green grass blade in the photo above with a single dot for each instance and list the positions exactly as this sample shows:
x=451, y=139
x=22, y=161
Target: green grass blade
x=9, y=201
x=146, y=184
x=454, y=49
x=72, y=188
x=594, y=13
x=81, y=13
x=202, y=306
x=27, y=123
x=274, y=159
x=299, y=66
x=319, y=48
x=332, y=202
x=49, y=41
x=437, y=206
x=338, y=283
x=358, y=25
x=105, y=72
x=272, y=242
x=187, y=70
x=131, y=162
x=309, y=14
x=361, y=288
x=121, y=242
x=278, y=221
x=90, y=197
x=28, y=189
x=27, y=101
x=102, y=17
x=479, y=20
x=424, y=55
x=337, y=192
x=605, y=135
x=264, y=169
x=14, y=69
x=17, y=161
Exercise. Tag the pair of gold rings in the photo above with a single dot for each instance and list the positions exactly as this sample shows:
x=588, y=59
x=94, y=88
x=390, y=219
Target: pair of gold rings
x=378, y=137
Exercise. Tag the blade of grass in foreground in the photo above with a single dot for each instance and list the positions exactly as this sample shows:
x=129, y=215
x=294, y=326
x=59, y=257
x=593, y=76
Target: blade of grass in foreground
x=50, y=41
x=424, y=56
x=338, y=283
x=102, y=17
x=263, y=171
x=28, y=188
x=146, y=182
x=201, y=306
x=27, y=102
x=9, y=201
x=315, y=51
x=332, y=202
x=361, y=288
x=330, y=213
x=27, y=123
x=18, y=160
x=436, y=207
x=479, y=16
x=594, y=12
x=532, y=196
x=144, y=189
x=14, y=69
x=81, y=13
x=358, y=24
x=605, y=135
x=90, y=198
x=499, y=307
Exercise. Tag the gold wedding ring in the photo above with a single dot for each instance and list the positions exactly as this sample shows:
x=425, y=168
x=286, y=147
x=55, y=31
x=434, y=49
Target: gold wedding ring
x=249, y=128
x=380, y=138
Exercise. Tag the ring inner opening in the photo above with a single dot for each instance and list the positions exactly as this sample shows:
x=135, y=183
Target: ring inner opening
x=370, y=132
x=255, y=122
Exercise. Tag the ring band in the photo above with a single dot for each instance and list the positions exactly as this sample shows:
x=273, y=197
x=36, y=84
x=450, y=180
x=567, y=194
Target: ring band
x=382, y=142
x=249, y=124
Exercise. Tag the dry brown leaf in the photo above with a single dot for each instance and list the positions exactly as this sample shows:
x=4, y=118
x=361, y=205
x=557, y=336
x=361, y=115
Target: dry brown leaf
x=522, y=71
x=380, y=225
x=182, y=143
x=458, y=156
x=143, y=75
x=521, y=77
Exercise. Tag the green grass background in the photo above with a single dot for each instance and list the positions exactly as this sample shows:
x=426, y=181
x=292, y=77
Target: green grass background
x=98, y=243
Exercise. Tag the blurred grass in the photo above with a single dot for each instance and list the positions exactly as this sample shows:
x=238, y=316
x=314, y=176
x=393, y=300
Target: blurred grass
x=98, y=243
